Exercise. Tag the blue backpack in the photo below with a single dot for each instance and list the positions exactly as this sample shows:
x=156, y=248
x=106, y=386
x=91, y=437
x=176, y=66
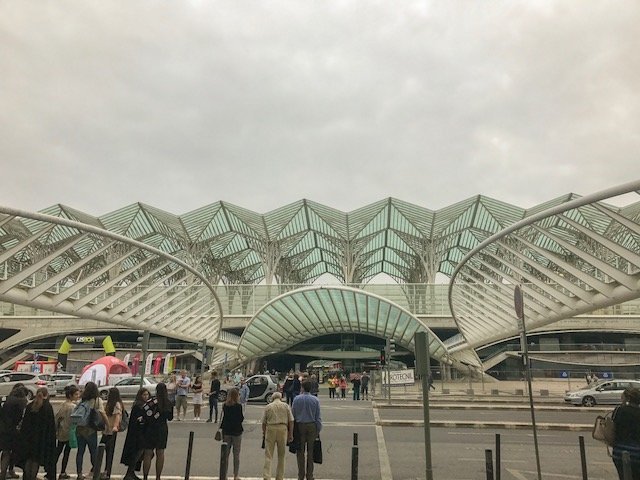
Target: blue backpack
x=80, y=414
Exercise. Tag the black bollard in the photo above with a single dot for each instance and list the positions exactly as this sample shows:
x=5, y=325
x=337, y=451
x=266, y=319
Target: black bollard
x=488, y=461
x=498, y=467
x=189, y=453
x=583, y=458
x=97, y=464
x=224, y=449
x=354, y=458
x=626, y=466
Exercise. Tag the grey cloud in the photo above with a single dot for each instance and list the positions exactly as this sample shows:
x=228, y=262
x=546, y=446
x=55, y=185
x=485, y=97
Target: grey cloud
x=262, y=103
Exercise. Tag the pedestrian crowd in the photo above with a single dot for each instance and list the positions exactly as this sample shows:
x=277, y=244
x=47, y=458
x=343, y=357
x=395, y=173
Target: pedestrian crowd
x=33, y=437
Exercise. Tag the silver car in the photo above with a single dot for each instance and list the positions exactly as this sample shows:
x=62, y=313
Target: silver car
x=129, y=387
x=59, y=380
x=30, y=380
x=604, y=392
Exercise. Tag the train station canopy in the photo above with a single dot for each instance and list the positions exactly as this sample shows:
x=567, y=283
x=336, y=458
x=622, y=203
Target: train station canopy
x=311, y=312
x=145, y=268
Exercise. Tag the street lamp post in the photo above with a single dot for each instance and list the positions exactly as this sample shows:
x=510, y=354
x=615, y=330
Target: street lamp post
x=519, y=306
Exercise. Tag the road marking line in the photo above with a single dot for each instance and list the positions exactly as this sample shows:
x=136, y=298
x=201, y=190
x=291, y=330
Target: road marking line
x=519, y=474
x=482, y=460
x=516, y=474
x=385, y=466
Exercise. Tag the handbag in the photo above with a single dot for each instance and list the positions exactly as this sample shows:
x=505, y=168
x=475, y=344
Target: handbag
x=604, y=429
x=124, y=420
x=73, y=439
x=317, y=451
x=96, y=422
x=218, y=436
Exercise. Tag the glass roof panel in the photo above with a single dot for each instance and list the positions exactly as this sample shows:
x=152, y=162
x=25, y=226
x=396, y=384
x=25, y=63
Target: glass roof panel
x=311, y=311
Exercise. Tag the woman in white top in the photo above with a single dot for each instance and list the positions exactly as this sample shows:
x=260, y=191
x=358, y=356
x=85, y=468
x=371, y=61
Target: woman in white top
x=114, y=410
x=197, y=389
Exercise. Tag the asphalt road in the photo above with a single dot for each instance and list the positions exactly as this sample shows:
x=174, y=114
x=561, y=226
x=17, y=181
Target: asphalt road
x=399, y=452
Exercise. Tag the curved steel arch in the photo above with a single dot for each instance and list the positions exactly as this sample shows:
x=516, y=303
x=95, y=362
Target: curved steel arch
x=313, y=311
x=82, y=270
x=570, y=259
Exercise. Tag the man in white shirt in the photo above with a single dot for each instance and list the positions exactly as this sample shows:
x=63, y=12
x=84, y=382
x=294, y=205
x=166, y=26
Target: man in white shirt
x=182, y=388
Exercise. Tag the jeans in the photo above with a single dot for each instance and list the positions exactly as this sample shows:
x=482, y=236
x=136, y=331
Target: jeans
x=83, y=442
x=63, y=446
x=109, y=449
x=213, y=405
x=364, y=391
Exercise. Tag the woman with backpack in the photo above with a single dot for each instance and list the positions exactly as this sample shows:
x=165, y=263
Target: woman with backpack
x=63, y=427
x=87, y=434
x=134, y=442
x=114, y=411
x=158, y=411
x=36, y=442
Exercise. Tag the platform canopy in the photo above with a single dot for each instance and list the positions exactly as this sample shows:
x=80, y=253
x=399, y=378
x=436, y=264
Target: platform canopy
x=323, y=310
x=568, y=260
x=80, y=269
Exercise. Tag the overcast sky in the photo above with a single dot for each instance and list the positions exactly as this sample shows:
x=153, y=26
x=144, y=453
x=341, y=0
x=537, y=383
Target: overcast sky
x=179, y=104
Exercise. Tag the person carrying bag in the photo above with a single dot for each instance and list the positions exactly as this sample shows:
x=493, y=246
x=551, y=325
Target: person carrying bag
x=626, y=420
x=89, y=417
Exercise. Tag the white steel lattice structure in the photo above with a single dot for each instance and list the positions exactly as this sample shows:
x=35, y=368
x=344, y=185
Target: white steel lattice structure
x=145, y=268
x=570, y=259
x=298, y=243
x=80, y=269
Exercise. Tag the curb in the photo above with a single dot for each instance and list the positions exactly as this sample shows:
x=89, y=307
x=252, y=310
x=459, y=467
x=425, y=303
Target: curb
x=575, y=427
x=455, y=406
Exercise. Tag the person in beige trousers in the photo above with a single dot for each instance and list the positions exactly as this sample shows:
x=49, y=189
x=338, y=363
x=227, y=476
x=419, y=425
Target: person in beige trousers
x=277, y=428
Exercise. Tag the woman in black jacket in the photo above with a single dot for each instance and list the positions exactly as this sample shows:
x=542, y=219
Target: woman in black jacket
x=158, y=411
x=134, y=442
x=627, y=420
x=37, y=438
x=231, y=426
x=10, y=417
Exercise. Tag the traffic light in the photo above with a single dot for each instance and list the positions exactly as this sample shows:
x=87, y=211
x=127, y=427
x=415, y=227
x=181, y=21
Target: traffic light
x=390, y=346
x=383, y=357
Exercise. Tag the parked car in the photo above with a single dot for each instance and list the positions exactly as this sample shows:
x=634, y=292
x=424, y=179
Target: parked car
x=261, y=388
x=604, y=392
x=129, y=386
x=57, y=381
x=30, y=380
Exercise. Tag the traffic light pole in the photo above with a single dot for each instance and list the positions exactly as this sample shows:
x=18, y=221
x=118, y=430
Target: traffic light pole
x=204, y=356
x=388, y=361
x=145, y=348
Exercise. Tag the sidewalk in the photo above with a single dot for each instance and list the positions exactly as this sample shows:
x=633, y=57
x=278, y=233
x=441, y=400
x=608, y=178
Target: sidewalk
x=554, y=389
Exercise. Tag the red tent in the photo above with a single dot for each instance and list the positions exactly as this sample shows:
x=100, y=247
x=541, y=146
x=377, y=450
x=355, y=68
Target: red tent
x=104, y=371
